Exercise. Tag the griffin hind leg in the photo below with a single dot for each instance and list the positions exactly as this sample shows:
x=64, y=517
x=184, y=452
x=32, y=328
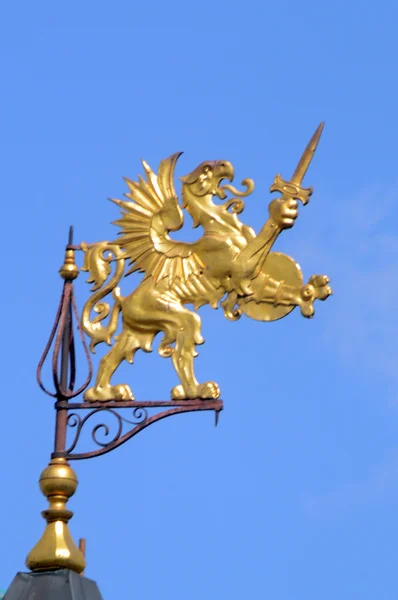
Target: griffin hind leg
x=151, y=311
x=126, y=345
x=183, y=327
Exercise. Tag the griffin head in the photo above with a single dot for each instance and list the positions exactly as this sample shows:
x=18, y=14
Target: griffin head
x=205, y=179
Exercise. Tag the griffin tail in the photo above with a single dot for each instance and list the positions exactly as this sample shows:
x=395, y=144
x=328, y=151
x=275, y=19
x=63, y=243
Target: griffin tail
x=97, y=261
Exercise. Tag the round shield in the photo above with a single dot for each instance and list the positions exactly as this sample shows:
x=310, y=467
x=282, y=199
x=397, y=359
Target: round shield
x=281, y=268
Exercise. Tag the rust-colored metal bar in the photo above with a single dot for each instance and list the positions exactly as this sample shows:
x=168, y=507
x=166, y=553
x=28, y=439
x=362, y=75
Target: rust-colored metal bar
x=61, y=422
x=119, y=438
x=62, y=413
x=82, y=548
x=198, y=404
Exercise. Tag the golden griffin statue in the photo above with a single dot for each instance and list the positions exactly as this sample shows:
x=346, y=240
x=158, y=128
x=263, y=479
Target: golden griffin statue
x=229, y=266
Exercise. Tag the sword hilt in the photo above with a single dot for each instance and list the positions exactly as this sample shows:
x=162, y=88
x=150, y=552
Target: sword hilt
x=291, y=189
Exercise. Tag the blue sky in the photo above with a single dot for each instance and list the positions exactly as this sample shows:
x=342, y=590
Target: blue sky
x=294, y=494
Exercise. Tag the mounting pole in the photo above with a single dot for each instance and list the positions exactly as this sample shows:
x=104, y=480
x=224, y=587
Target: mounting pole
x=58, y=482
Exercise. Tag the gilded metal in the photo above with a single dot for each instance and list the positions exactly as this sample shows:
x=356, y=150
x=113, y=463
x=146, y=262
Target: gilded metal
x=229, y=266
x=69, y=270
x=293, y=188
x=56, y=548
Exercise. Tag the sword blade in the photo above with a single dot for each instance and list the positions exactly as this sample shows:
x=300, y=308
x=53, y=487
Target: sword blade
x=306, y=158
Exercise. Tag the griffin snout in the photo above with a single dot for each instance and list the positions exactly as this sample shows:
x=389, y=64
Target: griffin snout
x=223, y=170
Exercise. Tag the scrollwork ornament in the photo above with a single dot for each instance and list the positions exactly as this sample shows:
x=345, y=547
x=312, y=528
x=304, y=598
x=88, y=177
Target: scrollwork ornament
x=140, y=414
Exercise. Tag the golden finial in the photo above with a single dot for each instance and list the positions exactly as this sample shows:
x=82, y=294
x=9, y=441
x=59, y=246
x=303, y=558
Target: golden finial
x=69, y=270
x=56, y=548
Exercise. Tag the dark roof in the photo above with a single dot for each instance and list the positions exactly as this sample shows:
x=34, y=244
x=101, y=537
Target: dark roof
x=62, y=584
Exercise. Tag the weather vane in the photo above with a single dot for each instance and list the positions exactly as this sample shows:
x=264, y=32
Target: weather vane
x=229, y=266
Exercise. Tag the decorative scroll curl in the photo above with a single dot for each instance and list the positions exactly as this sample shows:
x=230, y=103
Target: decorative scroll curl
x=235, y=204
x=103, y=430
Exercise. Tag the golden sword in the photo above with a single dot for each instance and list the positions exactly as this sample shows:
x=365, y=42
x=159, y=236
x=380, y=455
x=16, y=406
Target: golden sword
x=293, y=188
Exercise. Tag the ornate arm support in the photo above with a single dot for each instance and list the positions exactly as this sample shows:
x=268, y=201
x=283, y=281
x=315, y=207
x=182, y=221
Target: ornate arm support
x=58, y=482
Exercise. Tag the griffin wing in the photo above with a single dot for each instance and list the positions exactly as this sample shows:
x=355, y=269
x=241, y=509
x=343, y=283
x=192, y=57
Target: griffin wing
x=152, y=212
